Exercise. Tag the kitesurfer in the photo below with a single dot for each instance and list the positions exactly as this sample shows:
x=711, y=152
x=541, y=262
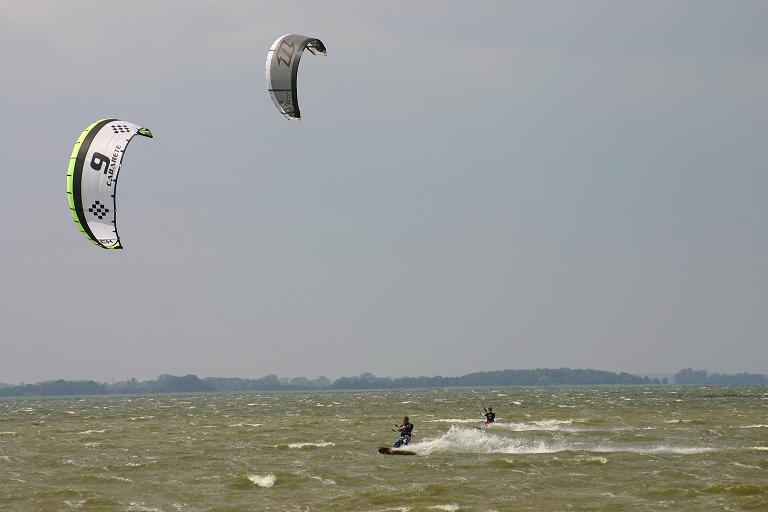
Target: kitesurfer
x=490, y=416
x=406, y=432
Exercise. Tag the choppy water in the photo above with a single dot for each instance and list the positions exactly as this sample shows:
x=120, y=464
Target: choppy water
x=552, y=449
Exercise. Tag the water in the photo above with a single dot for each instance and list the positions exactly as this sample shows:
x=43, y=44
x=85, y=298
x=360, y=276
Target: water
x=658, y=448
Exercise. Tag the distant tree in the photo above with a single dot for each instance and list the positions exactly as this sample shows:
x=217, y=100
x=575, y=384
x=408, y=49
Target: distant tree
x=689, y=377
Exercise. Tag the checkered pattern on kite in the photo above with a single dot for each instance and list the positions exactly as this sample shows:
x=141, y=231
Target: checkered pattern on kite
x=120, y=128
x=99, y=210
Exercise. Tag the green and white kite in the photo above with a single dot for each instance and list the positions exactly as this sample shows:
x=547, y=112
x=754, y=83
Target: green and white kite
x=92, y=178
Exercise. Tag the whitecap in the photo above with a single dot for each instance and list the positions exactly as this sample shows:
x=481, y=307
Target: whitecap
x=140, y=506
x=453, y=420
x=115, y=477
x=86, y=432
x=522, y=427
x=745, y=426
x=601, y=460
x=326, y=481
x=682, y=450
x=9, y=433
x=267, y=480
x=321, y=444
x=745, y=465
x=451, y=507
x=544, y=425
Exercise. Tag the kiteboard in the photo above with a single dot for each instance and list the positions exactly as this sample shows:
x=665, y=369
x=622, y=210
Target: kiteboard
x=386, y=450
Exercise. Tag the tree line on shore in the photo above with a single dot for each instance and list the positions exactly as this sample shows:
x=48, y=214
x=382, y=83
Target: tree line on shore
x=537, y=377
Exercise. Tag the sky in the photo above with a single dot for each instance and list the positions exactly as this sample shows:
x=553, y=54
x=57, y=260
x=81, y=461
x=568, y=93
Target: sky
x=473, y=186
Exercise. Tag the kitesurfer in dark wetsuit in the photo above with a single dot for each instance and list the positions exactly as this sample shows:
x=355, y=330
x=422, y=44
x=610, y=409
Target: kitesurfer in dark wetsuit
x=406, y=432
x=490, y=416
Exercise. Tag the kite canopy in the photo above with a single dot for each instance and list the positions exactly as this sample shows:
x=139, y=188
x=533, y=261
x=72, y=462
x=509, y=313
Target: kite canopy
x=283, y=67
x=92, y=178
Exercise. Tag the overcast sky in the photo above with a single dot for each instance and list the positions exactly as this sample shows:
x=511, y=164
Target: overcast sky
x=474, y=186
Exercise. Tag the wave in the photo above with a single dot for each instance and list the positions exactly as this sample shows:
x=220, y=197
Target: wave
x=102, y=477
x=463, y=440
x=684, y=422
x=86, y=432
x=545, y=425
x=594, y=460
x=321, y=444
x=326, y=481
x=140, y=506
x=659, y=448
x=737, y=489
x=267, y=480
x=748, y=466
x=454, y=420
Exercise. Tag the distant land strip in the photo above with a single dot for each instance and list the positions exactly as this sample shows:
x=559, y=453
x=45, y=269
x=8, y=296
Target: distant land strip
x=537, y=377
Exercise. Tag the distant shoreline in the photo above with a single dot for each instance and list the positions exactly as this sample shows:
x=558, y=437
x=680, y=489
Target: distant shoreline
x=540, y=377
